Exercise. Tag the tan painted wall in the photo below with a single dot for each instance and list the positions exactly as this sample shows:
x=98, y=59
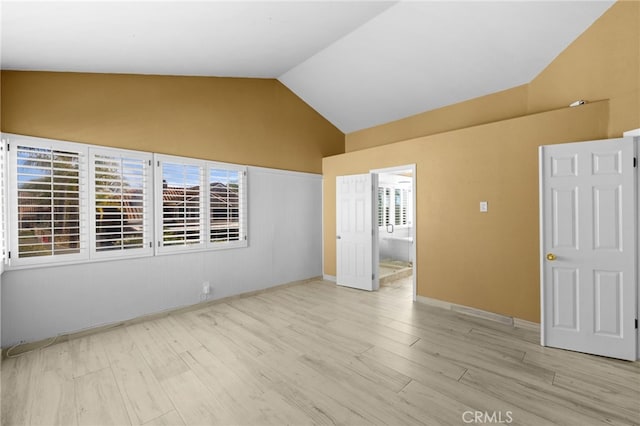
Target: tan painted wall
x=490, y=261
x=485, y=260
x=248, y=121
x=486, y=109
x=602, y=63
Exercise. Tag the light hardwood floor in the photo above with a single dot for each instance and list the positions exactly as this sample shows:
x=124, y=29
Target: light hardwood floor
x=316, y=354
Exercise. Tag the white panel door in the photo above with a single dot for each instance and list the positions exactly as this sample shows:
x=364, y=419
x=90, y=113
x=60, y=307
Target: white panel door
x=588, y=245
x=356, y=264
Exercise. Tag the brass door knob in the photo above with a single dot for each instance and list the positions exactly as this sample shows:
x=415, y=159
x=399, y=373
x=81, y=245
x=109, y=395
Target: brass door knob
x=551, y=256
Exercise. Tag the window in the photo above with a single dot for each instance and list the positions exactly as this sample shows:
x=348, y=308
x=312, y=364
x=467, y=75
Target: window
x=71, y=202
x=49, y=192
x=120, y=203
x=381, y=216
x=394, y=205
x=384, y=206
x=181, y=203
x=226, y=205
x=202, y=204
x=401, y=202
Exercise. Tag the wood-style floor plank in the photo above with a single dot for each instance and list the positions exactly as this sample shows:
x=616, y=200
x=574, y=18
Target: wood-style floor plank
x=19, y=385
x=87, y=355
x=172, y=418
x=99, y=401
x=55, y=398
x=316, y=354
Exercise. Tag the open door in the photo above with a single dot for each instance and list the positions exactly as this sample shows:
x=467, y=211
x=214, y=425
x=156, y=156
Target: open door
x=356, y=264
x=588, y=247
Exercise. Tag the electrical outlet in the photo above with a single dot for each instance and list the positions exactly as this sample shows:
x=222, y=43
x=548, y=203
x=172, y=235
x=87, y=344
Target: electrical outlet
x=484, y=206
x=206, y=287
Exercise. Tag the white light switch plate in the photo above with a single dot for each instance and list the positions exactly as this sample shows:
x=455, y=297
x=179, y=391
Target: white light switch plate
x=484, y=207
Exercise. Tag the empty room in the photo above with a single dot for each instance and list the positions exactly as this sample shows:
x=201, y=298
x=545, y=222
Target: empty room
x=319, y=212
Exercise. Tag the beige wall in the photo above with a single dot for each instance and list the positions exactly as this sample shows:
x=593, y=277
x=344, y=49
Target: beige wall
x=602, y=63
x=486, y=109
x=249, y=121
x=486, y=260
x=490, y=261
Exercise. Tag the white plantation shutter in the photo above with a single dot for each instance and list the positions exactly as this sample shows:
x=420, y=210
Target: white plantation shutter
x=397, y=204
x=394, y=206
x=121, y=203
x=381, y=218
x=404, y=217
x=49, y=189
x=227, y=204
x=180, y=201
x=70, y=202
x=200, y=204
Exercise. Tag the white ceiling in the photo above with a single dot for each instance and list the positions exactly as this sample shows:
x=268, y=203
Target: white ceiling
x=358, y=63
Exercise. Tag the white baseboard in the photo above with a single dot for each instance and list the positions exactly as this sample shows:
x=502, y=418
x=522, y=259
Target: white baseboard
x=492, y=316
x=528, y=325
x=331, y=278
x=433, y=302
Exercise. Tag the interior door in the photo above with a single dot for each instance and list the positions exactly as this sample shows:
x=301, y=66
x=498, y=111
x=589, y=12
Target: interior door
x=356, y=264
x=588, y=245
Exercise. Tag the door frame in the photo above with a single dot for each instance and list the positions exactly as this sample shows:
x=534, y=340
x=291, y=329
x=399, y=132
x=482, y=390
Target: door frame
x=637, y=219
x=414, y=193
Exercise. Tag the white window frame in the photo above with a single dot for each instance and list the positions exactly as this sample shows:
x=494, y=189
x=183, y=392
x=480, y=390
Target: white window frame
x=159, y=161
x=83, y=150
x=205, y=243
x=3, y=204
x=242, y=207
x=147, y=208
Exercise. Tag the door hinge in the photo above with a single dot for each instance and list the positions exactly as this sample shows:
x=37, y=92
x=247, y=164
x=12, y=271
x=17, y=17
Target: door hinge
x=9, y=255
x=373, y=277
x=635, y=162
x=636, y=323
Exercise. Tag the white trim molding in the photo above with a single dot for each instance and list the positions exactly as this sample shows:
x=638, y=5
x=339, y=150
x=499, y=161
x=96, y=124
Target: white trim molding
x=492, y=316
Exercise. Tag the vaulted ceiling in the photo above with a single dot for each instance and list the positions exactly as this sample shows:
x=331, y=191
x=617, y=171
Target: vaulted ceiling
x=357, y=63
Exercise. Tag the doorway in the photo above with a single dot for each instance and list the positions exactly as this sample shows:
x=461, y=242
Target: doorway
x=395, y=224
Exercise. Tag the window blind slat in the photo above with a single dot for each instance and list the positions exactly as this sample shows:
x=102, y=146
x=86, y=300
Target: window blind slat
x=49, y=201
x=121, y=202
x=182, y=204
